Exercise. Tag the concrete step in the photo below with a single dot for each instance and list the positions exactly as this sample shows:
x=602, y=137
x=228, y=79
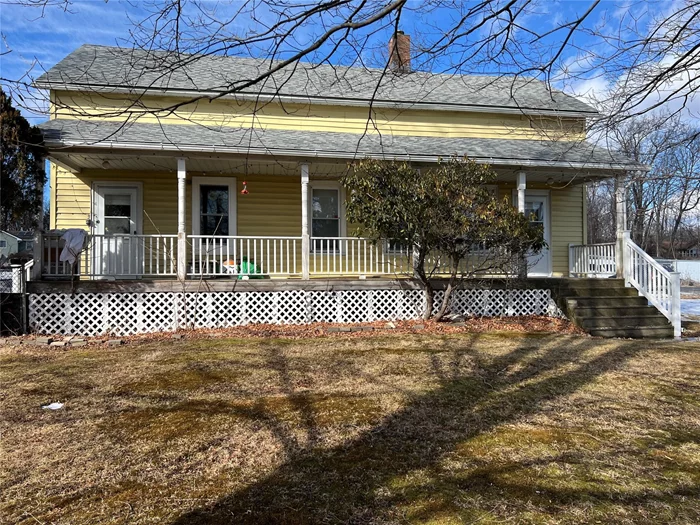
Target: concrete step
x=623, y=322
x=614, y=310
x=606, y=300
x=610, y=291
x=659, y=332
x=578, y=284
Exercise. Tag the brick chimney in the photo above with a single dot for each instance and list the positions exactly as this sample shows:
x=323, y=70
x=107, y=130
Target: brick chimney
x=400, y=53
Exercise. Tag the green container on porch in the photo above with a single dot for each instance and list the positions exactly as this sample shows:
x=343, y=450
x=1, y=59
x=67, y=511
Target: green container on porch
x=250, y=270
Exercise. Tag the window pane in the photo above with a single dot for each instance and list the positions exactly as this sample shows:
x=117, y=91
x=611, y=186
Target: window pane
x=117, y=205
x=325, y=228
x=325, y=204
x=213, y=199
x=213, y=225
x=534, y=211
x=117, y=225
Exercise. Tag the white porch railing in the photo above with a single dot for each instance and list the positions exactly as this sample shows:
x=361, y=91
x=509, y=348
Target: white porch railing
x=105, y=256
x=133, y=255
x=480, y=261
x=660, y=287
x=592, y=260
x=51, y=246
x=244, y=255
x=356, y=256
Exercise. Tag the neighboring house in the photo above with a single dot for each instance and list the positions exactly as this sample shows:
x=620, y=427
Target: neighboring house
x=249, y=183
x=12, y=243
x=682, y=249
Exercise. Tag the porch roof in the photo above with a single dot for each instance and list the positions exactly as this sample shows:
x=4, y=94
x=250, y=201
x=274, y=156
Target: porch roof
x=62, y=136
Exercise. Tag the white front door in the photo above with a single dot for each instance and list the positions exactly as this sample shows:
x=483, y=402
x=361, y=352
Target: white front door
x=537, y=208
x=115, y=250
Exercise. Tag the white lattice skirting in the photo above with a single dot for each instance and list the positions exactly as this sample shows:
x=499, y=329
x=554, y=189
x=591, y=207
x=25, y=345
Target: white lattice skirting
x=137, y=313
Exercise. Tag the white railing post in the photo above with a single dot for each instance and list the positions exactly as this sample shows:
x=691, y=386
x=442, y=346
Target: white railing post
x=38, y=255
x=572, y=267
x=305, y=239
x=181, y=210
x=620, y=225
x=676, y=303
x=623, y=257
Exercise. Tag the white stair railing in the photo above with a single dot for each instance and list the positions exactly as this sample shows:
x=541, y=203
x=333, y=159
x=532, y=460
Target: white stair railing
x=660, y=287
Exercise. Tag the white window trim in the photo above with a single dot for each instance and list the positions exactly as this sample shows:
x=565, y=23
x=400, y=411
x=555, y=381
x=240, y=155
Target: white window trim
x=97, y=198
x=232, y=201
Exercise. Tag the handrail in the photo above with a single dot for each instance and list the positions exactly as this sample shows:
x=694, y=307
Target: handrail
x=659, y=286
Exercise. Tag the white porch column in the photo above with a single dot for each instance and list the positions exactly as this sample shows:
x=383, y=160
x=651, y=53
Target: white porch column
x=38, y=250
x=305, y=239
x=181, y=213
x=620, y=226
x=521, y=186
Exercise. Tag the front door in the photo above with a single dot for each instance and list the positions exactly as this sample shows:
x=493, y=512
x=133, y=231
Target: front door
x=537, y=208
x=116, y=252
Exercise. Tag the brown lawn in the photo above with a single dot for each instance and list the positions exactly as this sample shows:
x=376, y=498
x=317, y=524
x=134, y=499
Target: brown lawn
x=457, y=428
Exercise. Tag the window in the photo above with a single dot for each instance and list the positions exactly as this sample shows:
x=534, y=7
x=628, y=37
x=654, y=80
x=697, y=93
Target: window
x=325, y=217
x=3, y=244
x=213, y=206
x=394, y=246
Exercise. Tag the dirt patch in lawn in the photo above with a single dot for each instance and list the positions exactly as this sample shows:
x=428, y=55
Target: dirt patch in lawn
x=397, y=428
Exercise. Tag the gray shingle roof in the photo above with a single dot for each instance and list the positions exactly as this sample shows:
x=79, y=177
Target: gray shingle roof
x=107, y=68
x=63, y=134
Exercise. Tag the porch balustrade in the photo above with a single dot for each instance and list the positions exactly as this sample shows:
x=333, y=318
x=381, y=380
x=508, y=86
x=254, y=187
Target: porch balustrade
x=212, y=256
x=105, y=256
x=156, y=256
x=592, y=260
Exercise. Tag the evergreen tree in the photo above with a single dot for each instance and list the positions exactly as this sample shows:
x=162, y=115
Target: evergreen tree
x=23, y=174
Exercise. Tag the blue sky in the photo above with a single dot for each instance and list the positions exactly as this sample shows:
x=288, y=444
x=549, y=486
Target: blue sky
x=33, y=42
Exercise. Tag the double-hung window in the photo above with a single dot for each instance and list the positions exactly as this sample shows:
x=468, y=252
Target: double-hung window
x=326, y=217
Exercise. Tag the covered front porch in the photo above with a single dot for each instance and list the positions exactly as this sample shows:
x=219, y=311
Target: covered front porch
x=167, y=217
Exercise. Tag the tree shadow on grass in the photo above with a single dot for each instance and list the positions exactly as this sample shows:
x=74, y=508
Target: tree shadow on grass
x=344, y=483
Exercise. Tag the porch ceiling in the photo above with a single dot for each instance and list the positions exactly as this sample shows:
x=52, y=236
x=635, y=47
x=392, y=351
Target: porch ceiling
x=154, y=140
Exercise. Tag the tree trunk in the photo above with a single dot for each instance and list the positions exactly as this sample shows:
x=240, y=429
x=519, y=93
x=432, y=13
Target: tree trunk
x=419, y=273
x=454, y=259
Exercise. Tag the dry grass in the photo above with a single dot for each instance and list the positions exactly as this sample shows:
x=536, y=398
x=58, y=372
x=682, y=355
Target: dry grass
x=407, y=428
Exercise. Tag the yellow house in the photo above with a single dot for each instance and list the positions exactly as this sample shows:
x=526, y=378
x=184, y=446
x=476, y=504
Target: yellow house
x=136, y=152
x=182, y=177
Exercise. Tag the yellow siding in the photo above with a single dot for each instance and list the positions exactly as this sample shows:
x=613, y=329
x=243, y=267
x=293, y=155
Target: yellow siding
x=317, y=118
x=566, y=225
x=272, y=206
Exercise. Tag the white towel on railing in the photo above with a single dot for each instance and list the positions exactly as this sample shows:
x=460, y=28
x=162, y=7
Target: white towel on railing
x=74, y=240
